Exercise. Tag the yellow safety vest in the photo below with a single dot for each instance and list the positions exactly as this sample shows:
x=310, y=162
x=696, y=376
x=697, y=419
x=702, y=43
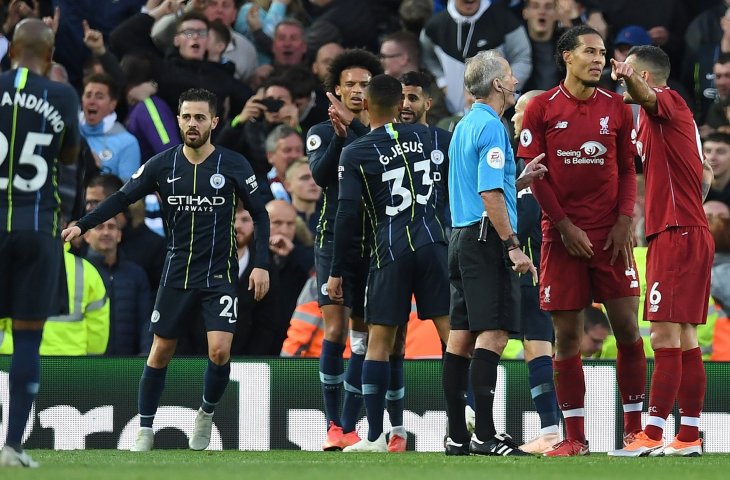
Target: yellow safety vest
x=85, y=330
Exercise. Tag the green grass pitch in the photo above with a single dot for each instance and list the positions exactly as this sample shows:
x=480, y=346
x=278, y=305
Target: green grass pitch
x=297, y=465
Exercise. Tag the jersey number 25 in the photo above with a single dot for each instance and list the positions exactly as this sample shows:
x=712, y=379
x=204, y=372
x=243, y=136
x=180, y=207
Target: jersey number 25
x=27, y=157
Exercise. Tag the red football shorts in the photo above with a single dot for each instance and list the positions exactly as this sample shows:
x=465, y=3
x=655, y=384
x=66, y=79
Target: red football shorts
x=678, y=266
x=572, y=283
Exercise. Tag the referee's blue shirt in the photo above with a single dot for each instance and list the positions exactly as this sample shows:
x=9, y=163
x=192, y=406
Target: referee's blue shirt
x=481, y=158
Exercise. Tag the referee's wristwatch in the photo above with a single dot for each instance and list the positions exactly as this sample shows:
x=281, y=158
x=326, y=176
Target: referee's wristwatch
x=512, y=242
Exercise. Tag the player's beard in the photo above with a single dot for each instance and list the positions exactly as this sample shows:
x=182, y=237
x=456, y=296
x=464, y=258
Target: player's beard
x=415, y=116
x=199, y=142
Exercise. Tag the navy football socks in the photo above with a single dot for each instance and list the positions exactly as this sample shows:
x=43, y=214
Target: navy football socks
x=215, y=383
x=331, y=375
x=151, y=385
x=24, y=379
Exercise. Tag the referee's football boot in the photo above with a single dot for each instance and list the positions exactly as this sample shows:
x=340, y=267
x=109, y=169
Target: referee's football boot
x=145, y=440
x=499, y=445
x=201, y=433
x=9, y=457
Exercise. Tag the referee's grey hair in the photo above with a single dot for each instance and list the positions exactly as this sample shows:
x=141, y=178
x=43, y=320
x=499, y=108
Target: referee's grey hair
x=481, y=70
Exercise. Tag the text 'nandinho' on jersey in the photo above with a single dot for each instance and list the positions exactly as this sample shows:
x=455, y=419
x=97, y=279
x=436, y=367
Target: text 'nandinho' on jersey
x=391, y=169
x=38, y=119
x=199, y=206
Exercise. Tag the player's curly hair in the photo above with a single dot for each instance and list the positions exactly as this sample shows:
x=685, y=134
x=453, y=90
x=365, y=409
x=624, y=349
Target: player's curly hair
x=569, y=40
x=353, y=58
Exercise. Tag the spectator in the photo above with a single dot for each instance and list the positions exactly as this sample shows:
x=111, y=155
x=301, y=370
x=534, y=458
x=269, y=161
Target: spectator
x=464, y=29
x=293, y=264
x=414, y=14
x=253, y=18
x=347, y=22
x=312, y=106
x=271, y=106
x=283, y=146
x=716, y=148
x=287, y=49
x=541, y=20
x=149, y=119
x=128, y=289
x=304, y=192
x=716, y=118
x=114, y=149
x=185, y=67
x=581, y=12
x=705, y=28
x=219, y=36
x=255, y=318
x=240, y=51
x=595, y=331
x=139, y=244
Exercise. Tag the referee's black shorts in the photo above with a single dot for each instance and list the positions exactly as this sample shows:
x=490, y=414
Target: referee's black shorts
x=485, y=291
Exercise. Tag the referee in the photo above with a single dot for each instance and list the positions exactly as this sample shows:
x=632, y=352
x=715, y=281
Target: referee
x=485, y=258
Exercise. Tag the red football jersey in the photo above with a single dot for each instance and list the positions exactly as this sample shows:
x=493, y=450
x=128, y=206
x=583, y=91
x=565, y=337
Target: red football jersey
x=670, y=147
x=589, y=148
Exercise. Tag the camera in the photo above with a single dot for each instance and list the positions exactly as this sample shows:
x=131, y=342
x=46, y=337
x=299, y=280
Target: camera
x=272, y=105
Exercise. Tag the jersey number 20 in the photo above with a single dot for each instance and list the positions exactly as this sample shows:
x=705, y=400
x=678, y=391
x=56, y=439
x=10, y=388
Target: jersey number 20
x=27, y=157
x=397, y=175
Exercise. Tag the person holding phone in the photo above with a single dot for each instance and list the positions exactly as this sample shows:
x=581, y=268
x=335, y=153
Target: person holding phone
x=271, y=106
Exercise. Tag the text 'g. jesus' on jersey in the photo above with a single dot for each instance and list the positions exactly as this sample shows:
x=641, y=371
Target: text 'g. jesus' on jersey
x=391, y=170
x=670, y=147
x=38, y=119
x=589, y=148
x=199, y=205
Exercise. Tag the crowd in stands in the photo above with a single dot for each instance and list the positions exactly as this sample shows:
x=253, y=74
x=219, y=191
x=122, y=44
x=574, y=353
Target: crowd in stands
x=267, y=61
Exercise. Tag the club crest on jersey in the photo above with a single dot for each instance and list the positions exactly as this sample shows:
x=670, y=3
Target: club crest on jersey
x=138, y=172
x=313, y=142
x=437, y=157
x=495, y=158
x=604, y=125
x=526, y=137
x=217, y=180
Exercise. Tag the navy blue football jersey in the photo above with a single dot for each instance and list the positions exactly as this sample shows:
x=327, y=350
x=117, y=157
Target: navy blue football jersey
x=528, y=226
x=391, y=169
x=38, y=119
x=324, y=149
x=440, y=140
x=199, y=205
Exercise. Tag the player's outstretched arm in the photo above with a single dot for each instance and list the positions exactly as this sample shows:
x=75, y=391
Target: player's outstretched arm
x=112, y=205
x=637, y=90
x=533, y=171
x=258, y=281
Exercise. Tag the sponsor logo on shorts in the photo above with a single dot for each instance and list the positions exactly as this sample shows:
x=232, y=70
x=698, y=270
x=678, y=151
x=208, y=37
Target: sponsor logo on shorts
x=155, y=317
